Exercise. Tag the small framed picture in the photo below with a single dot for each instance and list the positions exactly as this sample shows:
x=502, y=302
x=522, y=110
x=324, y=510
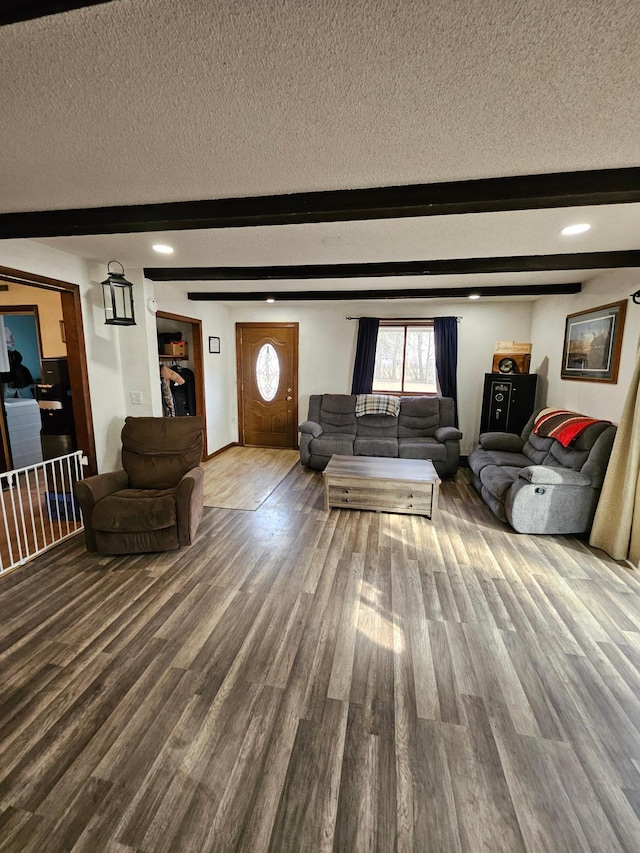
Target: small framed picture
x=214, y=344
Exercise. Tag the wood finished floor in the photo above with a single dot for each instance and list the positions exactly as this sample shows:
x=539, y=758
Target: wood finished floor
x=302, y=681
x=244, y=477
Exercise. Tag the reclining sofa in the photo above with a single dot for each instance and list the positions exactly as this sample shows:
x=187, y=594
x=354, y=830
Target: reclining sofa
x=423, y=429
x=536, y=484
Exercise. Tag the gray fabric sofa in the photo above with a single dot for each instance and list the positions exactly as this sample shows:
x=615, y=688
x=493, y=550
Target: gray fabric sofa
x=536, y=484
x=423, y=430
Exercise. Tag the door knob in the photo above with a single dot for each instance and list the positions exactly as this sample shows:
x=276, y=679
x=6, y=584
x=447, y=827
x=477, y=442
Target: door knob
x=289, y=397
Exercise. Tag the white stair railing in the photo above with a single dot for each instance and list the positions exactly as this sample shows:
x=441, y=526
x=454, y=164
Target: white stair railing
x=38, y=508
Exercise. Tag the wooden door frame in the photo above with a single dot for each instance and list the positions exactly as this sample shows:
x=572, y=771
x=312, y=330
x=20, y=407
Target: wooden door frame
x=76, y=354
x=296, y=336
x=198, y=367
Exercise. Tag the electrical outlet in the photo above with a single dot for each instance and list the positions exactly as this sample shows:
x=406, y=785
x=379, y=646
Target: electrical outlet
x=136, y=397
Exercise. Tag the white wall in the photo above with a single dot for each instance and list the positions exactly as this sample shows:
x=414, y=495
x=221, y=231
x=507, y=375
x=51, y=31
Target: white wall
x=598, y=399
x=328, y=343
x=124, y=359
x=219, y=369
x=103, y=345
x=135, y=347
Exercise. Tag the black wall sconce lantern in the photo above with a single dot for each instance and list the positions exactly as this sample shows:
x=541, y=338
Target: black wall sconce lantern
x=117, y=293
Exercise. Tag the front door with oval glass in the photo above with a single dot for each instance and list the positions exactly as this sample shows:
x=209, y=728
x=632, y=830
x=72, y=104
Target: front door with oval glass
x=267, y=383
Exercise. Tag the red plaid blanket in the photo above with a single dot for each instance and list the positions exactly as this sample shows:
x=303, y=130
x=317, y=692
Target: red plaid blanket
x=563, y=425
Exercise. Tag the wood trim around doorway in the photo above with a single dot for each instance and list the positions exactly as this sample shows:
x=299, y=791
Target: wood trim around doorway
x=248, y=325
x=76, y=354
x=198, y=365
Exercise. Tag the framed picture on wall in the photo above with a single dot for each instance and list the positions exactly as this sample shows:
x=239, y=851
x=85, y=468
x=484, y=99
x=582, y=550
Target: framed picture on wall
x=592, y=343
x=214, y=345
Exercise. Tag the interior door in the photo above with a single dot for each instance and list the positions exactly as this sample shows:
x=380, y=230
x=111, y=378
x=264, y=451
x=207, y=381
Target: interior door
x=267, y=383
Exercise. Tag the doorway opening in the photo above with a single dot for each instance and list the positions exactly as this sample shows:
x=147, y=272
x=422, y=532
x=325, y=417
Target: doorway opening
x=46, y=426
x=267, y=367
x=188, y=363
x=63, y=361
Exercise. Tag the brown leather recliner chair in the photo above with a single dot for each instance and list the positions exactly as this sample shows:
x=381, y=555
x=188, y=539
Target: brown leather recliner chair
x=156, y=502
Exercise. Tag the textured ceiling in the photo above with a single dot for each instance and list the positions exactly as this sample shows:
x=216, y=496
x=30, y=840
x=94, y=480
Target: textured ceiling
x=152, y=101
x=133, y=102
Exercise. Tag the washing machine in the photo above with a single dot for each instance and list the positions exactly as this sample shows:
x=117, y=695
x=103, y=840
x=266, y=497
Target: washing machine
x=23, y=427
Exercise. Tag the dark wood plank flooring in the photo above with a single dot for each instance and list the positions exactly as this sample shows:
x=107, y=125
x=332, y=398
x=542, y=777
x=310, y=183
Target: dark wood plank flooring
x=302, y=681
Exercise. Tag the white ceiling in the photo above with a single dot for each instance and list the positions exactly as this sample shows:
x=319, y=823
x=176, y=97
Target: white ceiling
x=137, y=102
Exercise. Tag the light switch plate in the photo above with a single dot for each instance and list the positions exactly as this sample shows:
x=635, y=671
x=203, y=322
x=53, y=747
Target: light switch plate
x=136, y=397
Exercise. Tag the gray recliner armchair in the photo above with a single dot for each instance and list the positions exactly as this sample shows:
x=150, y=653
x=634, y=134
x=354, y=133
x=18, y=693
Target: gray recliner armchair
x=537, y=485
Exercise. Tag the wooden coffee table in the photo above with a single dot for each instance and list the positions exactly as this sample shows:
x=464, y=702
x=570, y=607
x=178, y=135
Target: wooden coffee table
x=382, y=484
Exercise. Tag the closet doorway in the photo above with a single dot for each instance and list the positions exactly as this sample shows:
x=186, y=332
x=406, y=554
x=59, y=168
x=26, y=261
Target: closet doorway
x=190, y=333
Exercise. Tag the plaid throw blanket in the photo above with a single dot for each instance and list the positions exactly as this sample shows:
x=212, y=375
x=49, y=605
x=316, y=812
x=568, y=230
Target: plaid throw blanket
x=563, y=425
x=377, y=404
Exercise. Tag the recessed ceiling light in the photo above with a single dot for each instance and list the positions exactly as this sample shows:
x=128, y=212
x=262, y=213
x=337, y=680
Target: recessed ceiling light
x=164, y=250
x=270, y=299
x=474, y=296
x=579, y=228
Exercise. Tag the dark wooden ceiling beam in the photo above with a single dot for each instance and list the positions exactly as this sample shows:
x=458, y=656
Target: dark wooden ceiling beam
x=403, y=293
x=13, y=11
x=522, y=192
x=447, y=266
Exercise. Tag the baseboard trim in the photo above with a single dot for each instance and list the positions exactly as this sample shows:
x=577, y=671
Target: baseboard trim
x=222, y=450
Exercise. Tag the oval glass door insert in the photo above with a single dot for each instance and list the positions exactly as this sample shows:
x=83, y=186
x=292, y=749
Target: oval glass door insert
x=267, y=372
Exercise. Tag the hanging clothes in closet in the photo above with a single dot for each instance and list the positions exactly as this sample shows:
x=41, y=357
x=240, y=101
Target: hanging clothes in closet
x=169, y=380
x=184, y=394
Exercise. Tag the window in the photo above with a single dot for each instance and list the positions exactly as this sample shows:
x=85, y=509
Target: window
x=267, y=372
x=405, y=359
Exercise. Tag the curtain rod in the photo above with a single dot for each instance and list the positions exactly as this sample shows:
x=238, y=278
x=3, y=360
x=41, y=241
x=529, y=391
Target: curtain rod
x=400, y=319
